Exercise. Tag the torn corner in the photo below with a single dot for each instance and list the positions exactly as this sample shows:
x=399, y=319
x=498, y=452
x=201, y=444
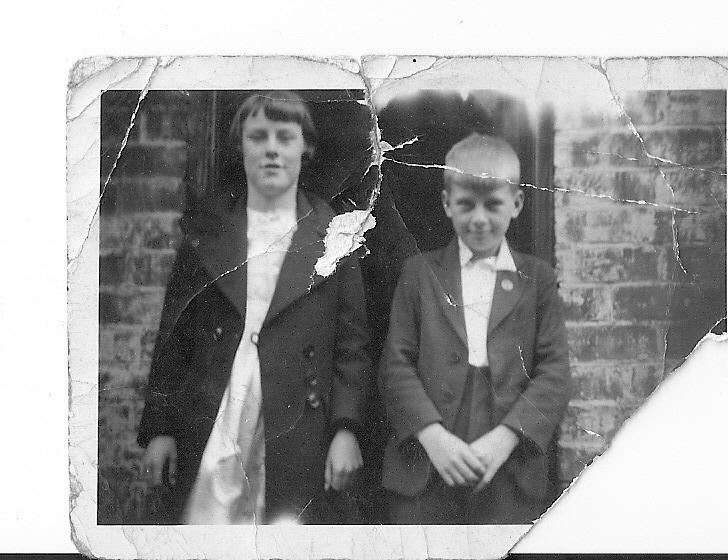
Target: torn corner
x=344, y=235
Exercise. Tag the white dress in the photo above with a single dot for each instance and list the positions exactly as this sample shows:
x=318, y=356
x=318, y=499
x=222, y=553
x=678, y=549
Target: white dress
x=230, y=484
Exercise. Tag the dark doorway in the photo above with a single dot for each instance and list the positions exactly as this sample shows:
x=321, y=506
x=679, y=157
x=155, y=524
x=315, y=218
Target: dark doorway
x=440, y=119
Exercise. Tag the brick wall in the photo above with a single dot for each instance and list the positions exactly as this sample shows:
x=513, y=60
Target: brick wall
x=138, y=234
x=627, y=296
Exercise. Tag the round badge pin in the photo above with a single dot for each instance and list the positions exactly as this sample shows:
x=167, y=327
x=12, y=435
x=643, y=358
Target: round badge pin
x=507, y=285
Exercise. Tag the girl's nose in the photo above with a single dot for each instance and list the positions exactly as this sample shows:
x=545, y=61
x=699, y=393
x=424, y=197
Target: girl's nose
x=271, y=146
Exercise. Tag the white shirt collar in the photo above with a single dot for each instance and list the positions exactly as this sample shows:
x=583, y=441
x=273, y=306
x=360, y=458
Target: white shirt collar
x=504, y=260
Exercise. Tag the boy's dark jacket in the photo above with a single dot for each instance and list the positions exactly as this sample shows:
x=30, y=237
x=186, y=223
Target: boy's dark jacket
x=314, y=369
x=425, y=363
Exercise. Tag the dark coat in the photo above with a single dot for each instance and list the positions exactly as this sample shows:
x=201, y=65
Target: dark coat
x=315, y=370
x=425, y=363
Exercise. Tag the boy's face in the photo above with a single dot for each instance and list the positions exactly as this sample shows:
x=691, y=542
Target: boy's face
x=481, y=215
x=272, y=153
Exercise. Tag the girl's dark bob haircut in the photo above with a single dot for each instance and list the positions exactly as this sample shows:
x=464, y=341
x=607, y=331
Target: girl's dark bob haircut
x=285, y=106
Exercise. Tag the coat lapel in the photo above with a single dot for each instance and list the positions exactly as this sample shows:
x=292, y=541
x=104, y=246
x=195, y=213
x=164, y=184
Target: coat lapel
x=297, y=276
x=509, y=286
x=223, y=249
x=449, y=288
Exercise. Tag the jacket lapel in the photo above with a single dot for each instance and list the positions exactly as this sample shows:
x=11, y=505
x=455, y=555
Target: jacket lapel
x=297, y=276
x=223, y=249
x=449, y=288
x=509, y=286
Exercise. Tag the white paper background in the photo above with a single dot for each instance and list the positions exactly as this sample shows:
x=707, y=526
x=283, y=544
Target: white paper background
x=625, y=508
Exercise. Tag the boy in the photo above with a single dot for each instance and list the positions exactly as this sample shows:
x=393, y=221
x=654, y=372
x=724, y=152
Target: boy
x=474, y=374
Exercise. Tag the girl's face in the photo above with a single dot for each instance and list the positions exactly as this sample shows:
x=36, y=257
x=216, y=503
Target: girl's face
x=272, y=153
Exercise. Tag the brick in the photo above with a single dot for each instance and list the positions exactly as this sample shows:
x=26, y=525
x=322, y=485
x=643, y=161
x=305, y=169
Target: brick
x=664, y=234
x=695, y=309
x=116, y=375
x=705, y=227
x=613, y=342
x=166, y=123
x=676, y=107
x=601, y=418
x=158, y=230
x=687, y=146
x=111, y=271
x=615, y=380
x=632, y=184
x=138, y=159
x=150, y=268
x=577, y=149
x=606, y=221
x=637, y=184
x=695, y=188
x=585, y=263
x=585, y=303
x=575, y=459
x=147, y=342
x=131, y=307
x=117, y=107
x=126, y=194
x=119, y=346
x=705, y=263
x=641, y=303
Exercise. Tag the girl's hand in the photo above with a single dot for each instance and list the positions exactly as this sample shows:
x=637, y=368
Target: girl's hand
x=342, y=461
x=161, y=449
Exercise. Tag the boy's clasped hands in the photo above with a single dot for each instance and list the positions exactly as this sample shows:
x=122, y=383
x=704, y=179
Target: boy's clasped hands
x=462, y=464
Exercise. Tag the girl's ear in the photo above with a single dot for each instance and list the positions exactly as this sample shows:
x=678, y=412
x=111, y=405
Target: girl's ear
x=308, y=152
x=445, y=198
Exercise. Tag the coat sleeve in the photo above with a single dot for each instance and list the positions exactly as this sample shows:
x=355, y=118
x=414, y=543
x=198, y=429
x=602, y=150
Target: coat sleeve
x=352, y=364
x=540, y=408
x=408, y=407
x=170, y=357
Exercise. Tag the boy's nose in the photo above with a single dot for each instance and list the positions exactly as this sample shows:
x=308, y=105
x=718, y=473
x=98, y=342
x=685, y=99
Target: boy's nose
x=480, y=216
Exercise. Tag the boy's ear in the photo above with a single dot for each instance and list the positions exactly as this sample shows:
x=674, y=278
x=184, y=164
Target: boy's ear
x=518, y=203
x=445, y=198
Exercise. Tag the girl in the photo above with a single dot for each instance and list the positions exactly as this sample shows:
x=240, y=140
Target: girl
x=259, y=373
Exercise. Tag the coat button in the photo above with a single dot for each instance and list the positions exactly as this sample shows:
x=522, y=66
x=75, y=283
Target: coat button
x=217, y=335
x=195, y=241
x=308, y=352
x=254, y=338
x=455, y=358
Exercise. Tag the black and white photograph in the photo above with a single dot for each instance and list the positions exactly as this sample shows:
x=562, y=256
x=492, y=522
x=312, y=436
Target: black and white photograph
x=310, y=304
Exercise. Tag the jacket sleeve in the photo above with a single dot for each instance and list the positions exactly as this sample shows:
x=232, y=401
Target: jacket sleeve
x=352, y=364
x=408, y=407
x=170, y=357
x=540, y=408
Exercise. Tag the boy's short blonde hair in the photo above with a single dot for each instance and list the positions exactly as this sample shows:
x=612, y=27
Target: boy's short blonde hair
x=480, y=157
